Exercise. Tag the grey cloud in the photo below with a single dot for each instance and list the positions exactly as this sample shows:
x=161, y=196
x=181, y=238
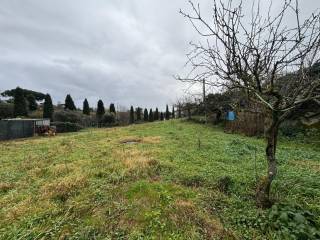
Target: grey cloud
x=120, y=51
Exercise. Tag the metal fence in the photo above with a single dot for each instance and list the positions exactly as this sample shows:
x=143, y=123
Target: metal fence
x=20, y=128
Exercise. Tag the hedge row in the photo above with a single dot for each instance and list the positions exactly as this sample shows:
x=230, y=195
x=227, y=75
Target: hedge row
x=64, y=127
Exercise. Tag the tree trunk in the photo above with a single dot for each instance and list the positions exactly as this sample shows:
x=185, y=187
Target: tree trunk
x=263, y=189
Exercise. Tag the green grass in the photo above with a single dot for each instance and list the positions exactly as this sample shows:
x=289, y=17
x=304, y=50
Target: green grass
x=89, y=185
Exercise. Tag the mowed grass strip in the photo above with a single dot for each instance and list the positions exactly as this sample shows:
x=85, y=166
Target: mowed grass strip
x=163, y=180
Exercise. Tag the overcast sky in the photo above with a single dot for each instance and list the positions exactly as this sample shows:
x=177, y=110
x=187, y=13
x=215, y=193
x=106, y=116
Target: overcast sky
x=121, y=51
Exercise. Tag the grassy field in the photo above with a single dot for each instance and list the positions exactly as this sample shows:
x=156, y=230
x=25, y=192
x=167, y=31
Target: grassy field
x=151, y=181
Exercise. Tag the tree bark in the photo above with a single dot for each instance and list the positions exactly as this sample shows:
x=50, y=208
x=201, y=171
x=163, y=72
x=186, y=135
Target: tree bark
x=263, y=189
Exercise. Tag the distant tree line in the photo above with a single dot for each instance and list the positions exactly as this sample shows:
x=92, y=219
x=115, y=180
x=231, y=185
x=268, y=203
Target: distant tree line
x=24, y=103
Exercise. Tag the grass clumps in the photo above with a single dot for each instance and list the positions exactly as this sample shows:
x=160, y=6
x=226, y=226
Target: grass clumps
x=224, y=184
x=63, y=188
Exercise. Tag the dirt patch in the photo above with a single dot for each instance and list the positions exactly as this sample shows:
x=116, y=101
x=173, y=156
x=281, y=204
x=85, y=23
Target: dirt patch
x=5, y=187
x=130, y=140
x=136, y=140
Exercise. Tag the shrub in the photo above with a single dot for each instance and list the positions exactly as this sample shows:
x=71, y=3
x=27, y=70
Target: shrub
x=108, y=118
x=6, y=110
x=292, y=222
x=72, y=117
x=64, y=127
x=291, y=129
x=66, y=116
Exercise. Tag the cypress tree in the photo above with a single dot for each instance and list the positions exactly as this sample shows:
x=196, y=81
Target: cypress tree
x=138, y=114
x=179, y=112
x=161, y=116
x=151, y=117
x=69, y=104
x=156, y=115
x=100, y=110
x=167, y=113
x=173, y=113
x=86, y=108
x=131, y=121
x=32, y=103
x=20, y=104
x=112, y=108
x=145, y=115
x=48, y=107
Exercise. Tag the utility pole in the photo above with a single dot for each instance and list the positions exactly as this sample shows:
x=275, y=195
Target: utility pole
x=204, y=101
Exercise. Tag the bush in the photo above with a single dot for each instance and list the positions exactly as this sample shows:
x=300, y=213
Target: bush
x=6, y=110
x=291, y=129
x=69, y=116
x=64, y=127
x=108, y=119
x=292, y=222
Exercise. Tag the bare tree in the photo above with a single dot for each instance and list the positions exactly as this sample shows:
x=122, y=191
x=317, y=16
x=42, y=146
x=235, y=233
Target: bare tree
x=266, y=59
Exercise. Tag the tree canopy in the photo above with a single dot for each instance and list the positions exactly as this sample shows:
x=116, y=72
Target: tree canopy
x=32, y=103
x=11, y=93
x=48, y=107
x=151, y=117
x=112, y=108
x=100, y=109
x=131, y=120
x=69, y=104
x=145, y=115
x=20, y=103
x=86, y=107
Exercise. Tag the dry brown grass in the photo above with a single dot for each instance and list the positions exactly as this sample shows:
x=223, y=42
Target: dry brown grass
x=64, y=169
x=63, y=188
x=20, y=209
x=186, y=211
x=152, y=139
x=26, y=207
x=307, y=164
x=134, y=158
x=148, y=139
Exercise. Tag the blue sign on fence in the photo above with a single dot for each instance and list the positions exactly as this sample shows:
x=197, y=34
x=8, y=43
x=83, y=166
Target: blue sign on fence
x=231, y=116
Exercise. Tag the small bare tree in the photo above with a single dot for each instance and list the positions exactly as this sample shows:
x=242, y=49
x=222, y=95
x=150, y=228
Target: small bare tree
x=267, y=59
